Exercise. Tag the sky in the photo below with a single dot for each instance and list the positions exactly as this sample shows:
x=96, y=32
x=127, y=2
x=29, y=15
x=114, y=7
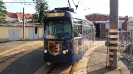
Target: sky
x=85, y=6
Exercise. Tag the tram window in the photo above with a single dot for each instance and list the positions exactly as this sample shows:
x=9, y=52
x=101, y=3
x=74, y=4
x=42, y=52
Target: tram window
x=58, y=29
x=77, y=28
x=84, y=30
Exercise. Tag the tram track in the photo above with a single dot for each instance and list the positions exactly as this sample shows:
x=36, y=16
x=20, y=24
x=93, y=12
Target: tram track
x=52, y=68
x=73, y=67
x=55, y=66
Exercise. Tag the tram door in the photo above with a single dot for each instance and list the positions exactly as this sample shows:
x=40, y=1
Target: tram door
x=78, y=39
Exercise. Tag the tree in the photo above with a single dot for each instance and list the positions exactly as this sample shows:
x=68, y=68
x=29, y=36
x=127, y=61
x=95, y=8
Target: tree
x=2, y=11
x=41, y=7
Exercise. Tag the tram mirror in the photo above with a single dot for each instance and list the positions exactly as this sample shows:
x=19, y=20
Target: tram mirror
x=35, y=30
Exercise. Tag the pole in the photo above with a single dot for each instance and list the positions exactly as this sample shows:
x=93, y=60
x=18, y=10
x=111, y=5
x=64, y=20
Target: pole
x=113, y=38
x=23, y=25
x=107, y=57
x=131, y=54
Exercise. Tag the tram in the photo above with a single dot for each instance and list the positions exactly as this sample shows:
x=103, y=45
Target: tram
x=67, y=36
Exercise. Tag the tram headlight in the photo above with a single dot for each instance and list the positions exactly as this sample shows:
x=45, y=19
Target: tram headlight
x=45, y=51
x=65, y=51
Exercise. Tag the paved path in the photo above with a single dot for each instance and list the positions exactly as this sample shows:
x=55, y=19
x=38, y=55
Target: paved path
x=97, y=62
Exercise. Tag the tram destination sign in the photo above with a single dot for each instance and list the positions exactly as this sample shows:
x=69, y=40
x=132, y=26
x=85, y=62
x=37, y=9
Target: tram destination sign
x=55, y=14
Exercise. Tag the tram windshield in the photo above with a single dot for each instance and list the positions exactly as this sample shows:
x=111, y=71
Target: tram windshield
x=58, y=30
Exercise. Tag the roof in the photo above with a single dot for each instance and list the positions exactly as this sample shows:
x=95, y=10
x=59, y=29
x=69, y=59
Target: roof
x=29, y=15
x=101, y=17
x=11, y=15
x=19, y=14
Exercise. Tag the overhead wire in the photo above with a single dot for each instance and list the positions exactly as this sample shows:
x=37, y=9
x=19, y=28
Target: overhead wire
x=82, y=5
x=85, y=5
x=27, y=5
x=75, y=4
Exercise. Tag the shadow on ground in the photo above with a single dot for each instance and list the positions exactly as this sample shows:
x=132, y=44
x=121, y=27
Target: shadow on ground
x=26, y=64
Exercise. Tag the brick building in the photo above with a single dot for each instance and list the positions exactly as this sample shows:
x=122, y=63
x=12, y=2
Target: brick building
x=101, y=21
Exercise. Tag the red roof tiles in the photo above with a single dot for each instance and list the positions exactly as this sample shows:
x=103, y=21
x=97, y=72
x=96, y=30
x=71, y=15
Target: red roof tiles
x=19, y=14
x=101, y=17
x=12, y=15
x=28, y=15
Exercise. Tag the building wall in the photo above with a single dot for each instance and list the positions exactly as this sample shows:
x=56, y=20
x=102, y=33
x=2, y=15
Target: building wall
x=10, y=19
x=40, y=33
x=107, y=27
x=130, y=18
x=4, y=32
x=129, y=27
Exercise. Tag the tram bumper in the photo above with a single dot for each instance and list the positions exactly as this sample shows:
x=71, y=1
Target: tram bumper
x=61, y=58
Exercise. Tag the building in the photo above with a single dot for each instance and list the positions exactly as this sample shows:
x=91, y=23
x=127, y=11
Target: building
x=101, y=21
x=14, y=31
x=18, y=17
x=11, y=17
x=130, y=23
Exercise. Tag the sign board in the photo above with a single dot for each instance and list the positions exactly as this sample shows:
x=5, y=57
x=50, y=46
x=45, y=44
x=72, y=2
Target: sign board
x=55, y=14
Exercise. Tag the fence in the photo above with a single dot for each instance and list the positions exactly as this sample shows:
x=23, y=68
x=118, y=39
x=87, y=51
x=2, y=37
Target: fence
x=125, y=48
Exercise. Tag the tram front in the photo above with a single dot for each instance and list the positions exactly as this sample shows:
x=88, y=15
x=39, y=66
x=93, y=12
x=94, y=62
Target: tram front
x=58, y=37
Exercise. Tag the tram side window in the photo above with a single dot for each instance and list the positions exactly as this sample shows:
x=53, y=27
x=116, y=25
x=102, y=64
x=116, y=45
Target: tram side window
x=77, y=28
x=85, y=29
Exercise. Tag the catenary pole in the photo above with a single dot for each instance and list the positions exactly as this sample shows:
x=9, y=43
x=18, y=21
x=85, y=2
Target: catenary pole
x=113, y=37
x=23, y=25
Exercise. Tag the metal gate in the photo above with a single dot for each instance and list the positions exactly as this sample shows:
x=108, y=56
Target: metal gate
x=13, y=34
x=32, y=34
x=125, y=48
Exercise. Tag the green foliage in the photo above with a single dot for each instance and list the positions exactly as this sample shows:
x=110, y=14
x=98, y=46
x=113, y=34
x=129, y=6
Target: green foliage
x=2, y=11
x=41, y=7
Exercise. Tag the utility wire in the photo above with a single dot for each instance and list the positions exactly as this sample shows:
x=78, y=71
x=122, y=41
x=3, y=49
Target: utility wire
x=75, y=4
x=19, y=2
x=82, y=5
x=28, y=4
x=85, y=5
